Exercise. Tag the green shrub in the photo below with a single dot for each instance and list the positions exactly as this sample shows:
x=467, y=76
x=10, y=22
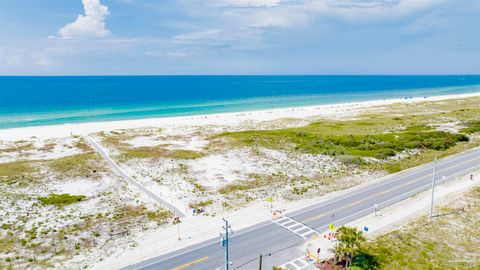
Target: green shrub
x=349, y=159
x=61, y=199
x=378, y=145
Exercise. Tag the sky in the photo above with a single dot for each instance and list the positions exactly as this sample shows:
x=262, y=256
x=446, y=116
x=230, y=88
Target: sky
x=141, y=37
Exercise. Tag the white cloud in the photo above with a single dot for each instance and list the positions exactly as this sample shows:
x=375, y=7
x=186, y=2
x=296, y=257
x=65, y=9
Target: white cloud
x=198, y=35
x=300, y=13
x=248, y=3
x=90, y=24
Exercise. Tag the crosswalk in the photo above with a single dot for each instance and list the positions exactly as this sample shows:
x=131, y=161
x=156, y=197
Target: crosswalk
x=296, y=227
x=297, y=264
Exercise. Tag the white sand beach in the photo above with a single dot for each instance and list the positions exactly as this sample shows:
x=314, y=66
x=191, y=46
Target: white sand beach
x=331, y=111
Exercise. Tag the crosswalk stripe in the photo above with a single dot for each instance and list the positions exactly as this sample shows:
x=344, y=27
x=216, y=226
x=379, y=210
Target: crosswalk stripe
x=296, y=264
x=296, y=227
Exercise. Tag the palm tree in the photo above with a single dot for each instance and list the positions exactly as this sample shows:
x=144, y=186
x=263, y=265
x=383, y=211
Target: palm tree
x=349, y=241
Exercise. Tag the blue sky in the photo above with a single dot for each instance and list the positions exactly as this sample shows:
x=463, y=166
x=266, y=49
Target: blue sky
x=99, y=37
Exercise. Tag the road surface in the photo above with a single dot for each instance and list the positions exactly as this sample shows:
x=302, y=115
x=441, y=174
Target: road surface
x=103, y=152
x=272, y=238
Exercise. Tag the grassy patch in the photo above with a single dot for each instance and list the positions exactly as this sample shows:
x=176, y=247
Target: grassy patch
x=19, y=146
x=7, y=243
x=85, y=165
x=184, y=154
x=83, y=145
x=160, y=216
x=200, y=204
x=239, y=186
x=158, y=152
x=472, y=126
x=61, y=199
x=128, y=212
x=17, y=173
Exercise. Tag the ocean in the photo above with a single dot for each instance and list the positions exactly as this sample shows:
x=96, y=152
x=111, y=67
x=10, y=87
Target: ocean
x=33, y=101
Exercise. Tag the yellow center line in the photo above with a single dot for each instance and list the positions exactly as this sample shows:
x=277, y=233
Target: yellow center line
x=190, y=263
x=378, y=194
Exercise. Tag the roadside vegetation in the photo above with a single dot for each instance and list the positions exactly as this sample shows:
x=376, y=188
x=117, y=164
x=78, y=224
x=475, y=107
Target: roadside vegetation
x=448, y=241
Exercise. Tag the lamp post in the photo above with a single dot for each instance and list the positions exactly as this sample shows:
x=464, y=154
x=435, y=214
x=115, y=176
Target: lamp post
x=433, y=185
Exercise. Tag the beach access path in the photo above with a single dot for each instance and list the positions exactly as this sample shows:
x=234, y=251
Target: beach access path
x=104, y=153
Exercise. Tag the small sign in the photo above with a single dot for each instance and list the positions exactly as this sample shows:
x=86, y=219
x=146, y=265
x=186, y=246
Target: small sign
x=318, y=250
x=332, y=227
x=365, y=228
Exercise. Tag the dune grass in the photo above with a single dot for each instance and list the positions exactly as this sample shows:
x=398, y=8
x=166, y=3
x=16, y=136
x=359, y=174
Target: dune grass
x=21, y=173
x=472, y=126
x=158, y=152
x=80, y=165
x=19, y=146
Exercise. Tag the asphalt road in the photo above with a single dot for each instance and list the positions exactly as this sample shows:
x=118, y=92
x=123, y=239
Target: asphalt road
x=270, y=238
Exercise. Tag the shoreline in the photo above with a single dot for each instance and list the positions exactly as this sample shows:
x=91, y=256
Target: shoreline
x=227, y=118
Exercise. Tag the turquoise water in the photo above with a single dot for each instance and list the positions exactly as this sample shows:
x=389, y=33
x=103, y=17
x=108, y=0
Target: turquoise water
x=31, y=101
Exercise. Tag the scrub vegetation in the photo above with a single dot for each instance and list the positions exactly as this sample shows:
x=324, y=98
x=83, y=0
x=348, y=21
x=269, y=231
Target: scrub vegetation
x=448, y=241
x=380, y=142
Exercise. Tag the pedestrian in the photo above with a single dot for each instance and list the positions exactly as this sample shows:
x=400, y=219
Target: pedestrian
x=471, y=176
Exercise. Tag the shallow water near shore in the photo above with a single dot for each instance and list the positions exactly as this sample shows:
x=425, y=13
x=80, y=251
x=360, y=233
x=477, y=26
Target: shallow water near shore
x=33, y=101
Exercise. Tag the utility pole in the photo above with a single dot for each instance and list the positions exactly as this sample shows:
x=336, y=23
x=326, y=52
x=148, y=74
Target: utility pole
x=225, y=243
x=260, y=264
x=433, y=185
